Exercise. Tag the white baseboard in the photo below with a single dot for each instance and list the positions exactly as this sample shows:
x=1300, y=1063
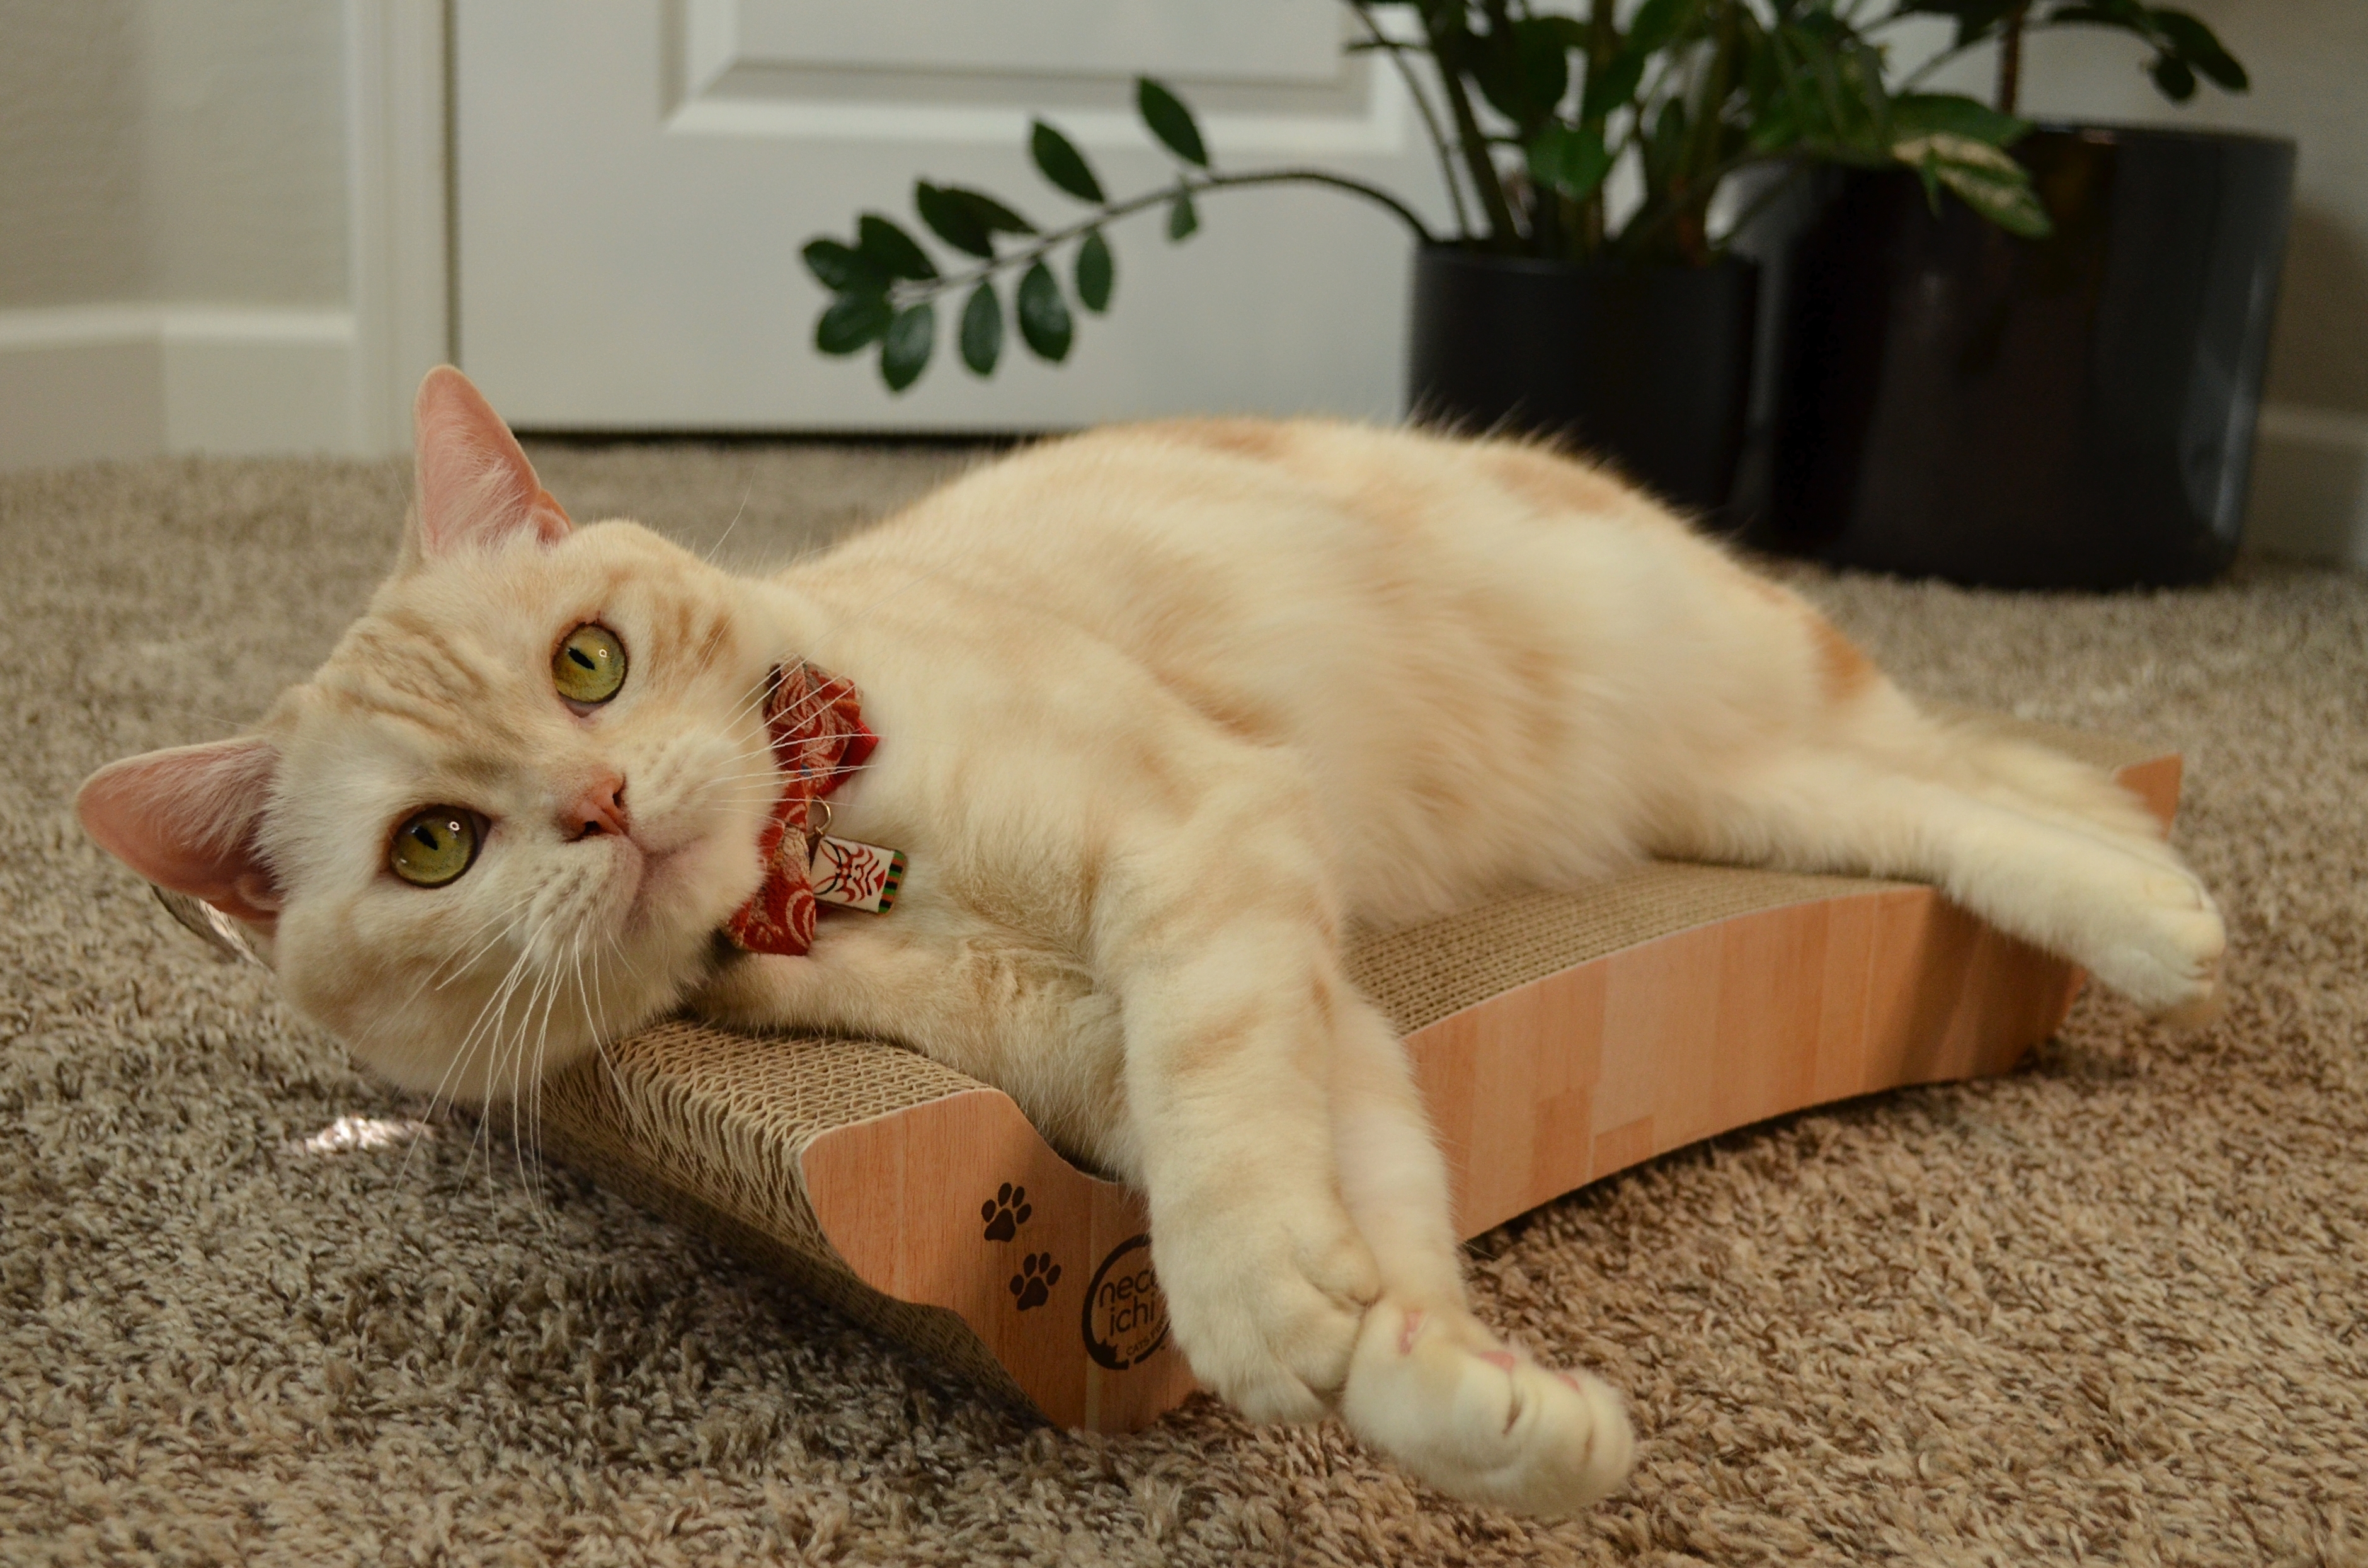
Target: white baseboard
x=86, y=382
x=2310, y=485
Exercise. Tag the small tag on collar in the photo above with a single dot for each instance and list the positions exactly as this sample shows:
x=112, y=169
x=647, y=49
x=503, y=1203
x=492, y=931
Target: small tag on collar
x=856, y=876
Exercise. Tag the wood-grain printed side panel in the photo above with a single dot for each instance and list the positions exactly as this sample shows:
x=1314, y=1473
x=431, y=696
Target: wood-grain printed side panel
x=1511, y=1087
x=1548, y=1087
x=909, y=1201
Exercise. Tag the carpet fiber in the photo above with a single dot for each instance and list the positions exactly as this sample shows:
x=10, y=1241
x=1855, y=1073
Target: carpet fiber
x=2113, y=1308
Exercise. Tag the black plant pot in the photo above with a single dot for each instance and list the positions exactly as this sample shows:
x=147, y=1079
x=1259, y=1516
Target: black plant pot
x=2074, y=412
x=1649, y=366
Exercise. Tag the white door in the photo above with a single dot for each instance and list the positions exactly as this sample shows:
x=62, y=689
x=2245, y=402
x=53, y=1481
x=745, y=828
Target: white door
x=634, y=181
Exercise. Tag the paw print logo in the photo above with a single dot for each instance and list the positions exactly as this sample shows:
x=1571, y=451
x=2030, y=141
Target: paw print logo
x=1033, y=1284
x=1005, y=1212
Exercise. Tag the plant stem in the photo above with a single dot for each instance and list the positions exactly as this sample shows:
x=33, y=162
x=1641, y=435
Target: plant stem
x=1602, y=45
x=1699, y=165
x=908, y=291
x=1396, y=51
x=2009, y=67
x=1504, y=233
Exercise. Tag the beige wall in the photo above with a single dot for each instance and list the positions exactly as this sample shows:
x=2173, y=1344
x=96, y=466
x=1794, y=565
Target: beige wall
x=176, y=270
x=70, y=152
x=178, y=151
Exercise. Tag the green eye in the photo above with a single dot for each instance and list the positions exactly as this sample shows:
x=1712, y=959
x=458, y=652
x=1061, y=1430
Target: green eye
x=433, y=846
x=589, y=665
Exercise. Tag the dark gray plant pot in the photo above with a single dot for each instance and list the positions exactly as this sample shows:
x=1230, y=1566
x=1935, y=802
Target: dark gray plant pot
x=2076, y=411
x=1649, y=366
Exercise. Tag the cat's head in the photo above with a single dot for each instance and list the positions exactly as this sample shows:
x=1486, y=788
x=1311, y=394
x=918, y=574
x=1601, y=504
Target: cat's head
x=506, y=816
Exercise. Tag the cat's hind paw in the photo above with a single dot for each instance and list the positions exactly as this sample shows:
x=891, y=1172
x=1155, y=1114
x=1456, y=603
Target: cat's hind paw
x=1436, y=1392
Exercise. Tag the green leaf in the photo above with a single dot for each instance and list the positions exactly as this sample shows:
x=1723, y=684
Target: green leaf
x=1952, y=114
x=953, y=219
x=1544, y=58
x=1182, y=219
x=852, y=320
x=1655, y=24
x=1614, y=87
x=1989, y=181
x=1169, y=120
x=998, y=219
x=1491, y=73
x=1095, y=272
x=1062, y=164
x=2172, y=75
x=2201, y=48
x=904, y=353
x=2014, y=208
x=1043, y=314
x=841, y=271
x=982, y=329
x=1571, y=161
x=993, y=215
x=892, y=250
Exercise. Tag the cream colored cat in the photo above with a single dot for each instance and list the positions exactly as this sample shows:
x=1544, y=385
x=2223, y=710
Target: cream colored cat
x=1162, y=710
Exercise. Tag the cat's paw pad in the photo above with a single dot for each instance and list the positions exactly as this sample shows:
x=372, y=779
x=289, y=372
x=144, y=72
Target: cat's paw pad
x=1483, y=1422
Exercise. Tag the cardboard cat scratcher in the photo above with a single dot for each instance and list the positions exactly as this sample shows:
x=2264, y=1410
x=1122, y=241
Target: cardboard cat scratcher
x=1558, y=1037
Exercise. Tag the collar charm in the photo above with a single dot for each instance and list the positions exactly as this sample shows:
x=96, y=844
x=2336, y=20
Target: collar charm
x=819, y=737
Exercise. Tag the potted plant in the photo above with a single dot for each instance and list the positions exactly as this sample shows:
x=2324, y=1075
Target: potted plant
x=1624, y=326
x=2074, y=409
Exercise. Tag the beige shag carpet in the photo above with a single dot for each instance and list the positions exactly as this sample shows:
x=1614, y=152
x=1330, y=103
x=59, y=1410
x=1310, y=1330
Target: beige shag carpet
x=2112, y=1309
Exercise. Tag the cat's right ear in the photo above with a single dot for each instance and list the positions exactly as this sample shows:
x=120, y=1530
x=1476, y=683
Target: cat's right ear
x=475, y=488
x=186, y=819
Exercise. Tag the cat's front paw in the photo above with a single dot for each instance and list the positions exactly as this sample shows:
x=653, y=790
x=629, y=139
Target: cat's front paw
x=1266, y=1307
x=1435, y=1391
x=2164, y=947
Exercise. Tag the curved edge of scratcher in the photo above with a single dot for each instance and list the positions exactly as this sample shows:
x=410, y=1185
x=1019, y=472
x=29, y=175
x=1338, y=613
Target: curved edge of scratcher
x=924, y=1203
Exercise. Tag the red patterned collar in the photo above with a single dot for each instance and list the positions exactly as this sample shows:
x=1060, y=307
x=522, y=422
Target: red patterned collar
x=819, y=737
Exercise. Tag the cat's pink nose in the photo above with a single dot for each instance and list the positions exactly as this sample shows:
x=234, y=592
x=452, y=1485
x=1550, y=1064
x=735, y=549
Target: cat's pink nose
x=600, y=809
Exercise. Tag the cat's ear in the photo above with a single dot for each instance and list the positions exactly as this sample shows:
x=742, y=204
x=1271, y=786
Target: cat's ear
x=185, y=819
x=474, y=487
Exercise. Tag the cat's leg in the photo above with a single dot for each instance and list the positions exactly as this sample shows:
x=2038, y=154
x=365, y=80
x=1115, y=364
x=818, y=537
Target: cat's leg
x=1429, y=1385
x=1215, y=928
x=1267, y=1277
x=2033, y=844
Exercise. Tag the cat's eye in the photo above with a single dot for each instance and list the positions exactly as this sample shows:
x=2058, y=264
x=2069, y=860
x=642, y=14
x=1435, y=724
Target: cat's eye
x=589, y=665
x=433, y=846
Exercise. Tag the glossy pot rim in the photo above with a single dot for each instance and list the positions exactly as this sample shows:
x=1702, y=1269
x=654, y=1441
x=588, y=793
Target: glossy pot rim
x=1458, y=253
x=2114, y=133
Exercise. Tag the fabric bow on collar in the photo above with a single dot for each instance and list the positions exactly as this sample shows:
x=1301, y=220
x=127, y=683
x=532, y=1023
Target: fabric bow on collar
x=818, y=737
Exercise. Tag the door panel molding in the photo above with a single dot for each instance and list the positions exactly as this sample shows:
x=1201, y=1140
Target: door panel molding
x=632, y=198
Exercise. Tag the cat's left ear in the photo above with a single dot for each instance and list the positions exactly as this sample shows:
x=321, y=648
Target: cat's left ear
x=474, y=489
x=186, y=819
